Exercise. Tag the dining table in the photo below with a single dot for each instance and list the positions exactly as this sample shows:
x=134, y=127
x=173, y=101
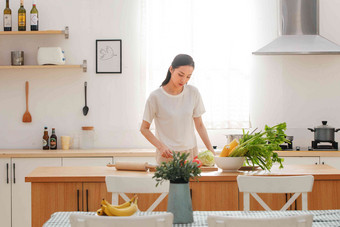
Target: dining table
x=320, y=217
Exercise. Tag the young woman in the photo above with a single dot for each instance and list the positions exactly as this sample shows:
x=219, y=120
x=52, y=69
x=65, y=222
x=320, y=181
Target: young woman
x=176, y=107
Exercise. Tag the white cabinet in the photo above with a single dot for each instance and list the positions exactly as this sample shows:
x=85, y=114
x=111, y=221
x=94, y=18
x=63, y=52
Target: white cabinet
x=21, y=191
x=5, y=192
x=331, y=161
x=300, y=160
x=150, y=160
x=91, y=161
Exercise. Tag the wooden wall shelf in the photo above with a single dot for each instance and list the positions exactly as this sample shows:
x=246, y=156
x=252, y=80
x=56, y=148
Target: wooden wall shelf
x=84, y=66
x=47, y=32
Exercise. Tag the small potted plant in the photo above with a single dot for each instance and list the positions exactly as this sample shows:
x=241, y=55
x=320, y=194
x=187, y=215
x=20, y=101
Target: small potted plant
x=179, y=171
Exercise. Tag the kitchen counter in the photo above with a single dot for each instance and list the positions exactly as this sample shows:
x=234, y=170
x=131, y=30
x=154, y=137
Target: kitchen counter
x=98, y=173
x=82, y=189
x=124, y=152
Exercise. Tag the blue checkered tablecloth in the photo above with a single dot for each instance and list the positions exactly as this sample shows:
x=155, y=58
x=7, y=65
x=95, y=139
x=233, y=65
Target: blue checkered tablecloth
x=320, y=217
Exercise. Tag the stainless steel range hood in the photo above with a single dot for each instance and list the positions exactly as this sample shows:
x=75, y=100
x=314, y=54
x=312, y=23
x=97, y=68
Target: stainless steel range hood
x=299, y=31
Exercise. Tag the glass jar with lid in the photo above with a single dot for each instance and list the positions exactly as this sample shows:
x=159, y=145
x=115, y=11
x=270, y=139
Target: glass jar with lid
x=87, y=137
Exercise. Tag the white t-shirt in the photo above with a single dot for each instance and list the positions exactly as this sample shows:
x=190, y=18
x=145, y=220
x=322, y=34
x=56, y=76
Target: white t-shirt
x=174, y=115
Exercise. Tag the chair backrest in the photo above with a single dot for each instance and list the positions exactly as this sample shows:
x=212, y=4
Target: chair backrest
x=260, y=184
x=157, y=220
x=119, y=185
x=288, y=221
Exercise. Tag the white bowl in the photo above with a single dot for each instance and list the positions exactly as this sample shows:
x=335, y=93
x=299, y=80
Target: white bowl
x=229, y=164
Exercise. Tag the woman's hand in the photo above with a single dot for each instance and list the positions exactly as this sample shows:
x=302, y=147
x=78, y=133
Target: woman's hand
x=165, y=151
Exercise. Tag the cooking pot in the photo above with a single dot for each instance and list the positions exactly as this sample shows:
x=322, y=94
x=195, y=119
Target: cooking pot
x=231, y=137
x=324, y=133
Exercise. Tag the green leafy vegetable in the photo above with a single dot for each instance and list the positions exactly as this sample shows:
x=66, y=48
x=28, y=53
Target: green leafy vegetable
x=207, y=158
x=258, y=148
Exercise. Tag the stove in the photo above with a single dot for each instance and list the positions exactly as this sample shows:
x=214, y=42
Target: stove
x=330, y=146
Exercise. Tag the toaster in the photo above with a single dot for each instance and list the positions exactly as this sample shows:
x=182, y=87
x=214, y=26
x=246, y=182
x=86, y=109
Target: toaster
x=51, y=56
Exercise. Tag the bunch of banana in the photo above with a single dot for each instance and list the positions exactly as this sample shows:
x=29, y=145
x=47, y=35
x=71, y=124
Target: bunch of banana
x=125, y=209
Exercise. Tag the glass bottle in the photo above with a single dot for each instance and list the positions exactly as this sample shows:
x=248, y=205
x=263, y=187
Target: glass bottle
x=34, y=17
x=7, y=17
x=22, y=17
x=53, y=140
x=45, y=140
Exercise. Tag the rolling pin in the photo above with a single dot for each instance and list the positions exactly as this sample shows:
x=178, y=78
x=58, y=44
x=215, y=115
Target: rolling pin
x=136, y=166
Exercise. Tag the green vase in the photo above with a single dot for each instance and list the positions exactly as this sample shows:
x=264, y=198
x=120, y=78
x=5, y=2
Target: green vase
x=179, y=203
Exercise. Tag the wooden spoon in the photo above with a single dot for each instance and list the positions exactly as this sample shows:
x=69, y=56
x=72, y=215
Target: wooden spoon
x=27, y=116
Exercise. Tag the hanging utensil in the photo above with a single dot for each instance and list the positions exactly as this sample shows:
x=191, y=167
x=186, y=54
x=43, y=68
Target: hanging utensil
x=86, y=108
x=27, y=116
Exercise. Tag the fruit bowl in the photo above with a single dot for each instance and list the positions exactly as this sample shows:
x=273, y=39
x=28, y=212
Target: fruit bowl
x=229, y=164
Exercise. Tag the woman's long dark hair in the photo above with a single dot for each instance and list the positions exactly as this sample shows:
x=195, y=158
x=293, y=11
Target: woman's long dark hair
x=179, y=60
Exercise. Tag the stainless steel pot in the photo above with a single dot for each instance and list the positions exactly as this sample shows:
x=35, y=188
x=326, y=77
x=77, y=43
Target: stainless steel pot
x=324, y=133
x=231, y=137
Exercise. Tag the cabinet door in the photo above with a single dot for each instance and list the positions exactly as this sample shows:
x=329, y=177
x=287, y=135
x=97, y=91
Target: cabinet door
x=214, y=195
x=98, y=161
x=21, y=190
x=48, y=198
x=93, y=193
x=300, y=160
x=324, y=196
x=5, y=192
x=331, y=161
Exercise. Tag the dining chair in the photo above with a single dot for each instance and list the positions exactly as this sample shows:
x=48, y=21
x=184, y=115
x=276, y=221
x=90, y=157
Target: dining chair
x=156, y=220
x=251, y=185
x=288, y=221
x=119, y=185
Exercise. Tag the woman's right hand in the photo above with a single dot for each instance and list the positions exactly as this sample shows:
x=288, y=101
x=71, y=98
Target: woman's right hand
x=165, y=151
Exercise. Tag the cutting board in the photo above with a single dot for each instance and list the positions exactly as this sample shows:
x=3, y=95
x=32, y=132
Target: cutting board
x=209, y=168
x=144, y=166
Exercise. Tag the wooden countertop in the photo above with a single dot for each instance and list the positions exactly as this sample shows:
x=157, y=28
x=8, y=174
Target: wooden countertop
x=98, y=173
x=124, y=152
x=39, y=153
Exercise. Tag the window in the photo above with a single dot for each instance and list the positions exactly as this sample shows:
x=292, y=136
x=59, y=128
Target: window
x=217, y=34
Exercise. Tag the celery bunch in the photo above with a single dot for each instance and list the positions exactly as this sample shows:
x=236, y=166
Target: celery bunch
x=258, y=148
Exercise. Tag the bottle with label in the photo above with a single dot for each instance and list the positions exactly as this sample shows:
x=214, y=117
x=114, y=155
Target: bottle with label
x=7, y=17
x=34, y=17
x=53, y=140
x=45, y=140
x=22, y=17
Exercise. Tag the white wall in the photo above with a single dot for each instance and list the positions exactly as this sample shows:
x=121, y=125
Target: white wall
x=300, y=90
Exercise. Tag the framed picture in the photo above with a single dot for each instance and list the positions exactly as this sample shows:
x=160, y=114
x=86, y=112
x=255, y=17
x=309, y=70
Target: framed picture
x=109, y=56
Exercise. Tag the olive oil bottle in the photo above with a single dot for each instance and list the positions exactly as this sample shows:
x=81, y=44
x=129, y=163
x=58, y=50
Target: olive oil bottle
x=34, y=17
x=22, y=17
x=7, y=17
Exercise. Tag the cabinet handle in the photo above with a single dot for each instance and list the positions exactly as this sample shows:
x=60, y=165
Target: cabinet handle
x=316, y=163
x=78, y=199
x=323, y=163
x=87, y=200
x=14, y=173
x=190, y=193
x=7, y=173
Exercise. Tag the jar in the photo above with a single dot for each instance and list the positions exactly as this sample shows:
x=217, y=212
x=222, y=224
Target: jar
x=87, y=137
